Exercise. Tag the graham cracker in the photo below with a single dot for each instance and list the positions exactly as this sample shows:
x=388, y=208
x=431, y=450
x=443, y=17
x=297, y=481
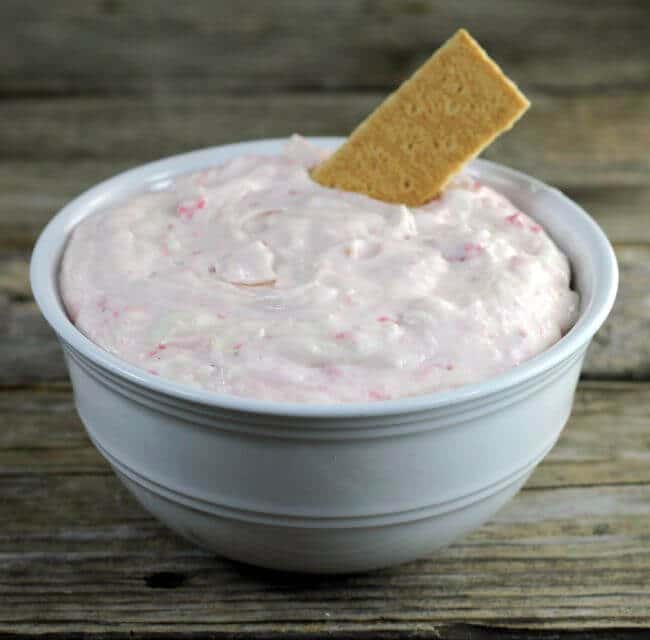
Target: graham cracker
x=449, y=110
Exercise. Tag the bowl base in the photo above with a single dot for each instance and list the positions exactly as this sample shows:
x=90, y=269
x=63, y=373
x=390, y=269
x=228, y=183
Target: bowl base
x=332, y=550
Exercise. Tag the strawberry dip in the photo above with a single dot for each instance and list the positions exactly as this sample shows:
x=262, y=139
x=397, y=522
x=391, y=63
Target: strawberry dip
x=251, y=279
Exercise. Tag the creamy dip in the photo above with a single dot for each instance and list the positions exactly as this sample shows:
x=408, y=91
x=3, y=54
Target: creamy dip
x=251, y=279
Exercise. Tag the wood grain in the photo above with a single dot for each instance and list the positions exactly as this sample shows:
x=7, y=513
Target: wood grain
x=31, y=192
x=568, y=552
x=88, y=89
x=54, y=149
x=159, y=48
x=43, y=436
x=556, y=141
x=29, y=352
x=620, y=350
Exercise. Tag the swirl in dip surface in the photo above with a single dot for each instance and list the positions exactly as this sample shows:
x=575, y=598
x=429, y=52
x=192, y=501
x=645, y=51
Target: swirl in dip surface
x=251, y=279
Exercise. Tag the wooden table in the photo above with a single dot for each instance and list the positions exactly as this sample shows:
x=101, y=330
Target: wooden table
x=90, y=88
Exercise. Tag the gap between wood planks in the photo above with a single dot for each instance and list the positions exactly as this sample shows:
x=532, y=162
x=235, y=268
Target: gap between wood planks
x=620, y=350
x=114, y=46
x=581, y=141
x=589, y=456
x=57, y=93
x=422, y=631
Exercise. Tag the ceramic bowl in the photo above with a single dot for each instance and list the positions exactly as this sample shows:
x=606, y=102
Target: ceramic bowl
x=327, y=487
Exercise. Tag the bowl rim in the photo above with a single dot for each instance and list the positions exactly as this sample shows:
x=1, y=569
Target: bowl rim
x=47, y=252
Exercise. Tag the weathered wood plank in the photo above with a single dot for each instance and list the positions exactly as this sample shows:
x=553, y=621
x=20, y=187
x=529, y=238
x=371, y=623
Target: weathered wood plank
x=571, y=141
x=333, y=631
x=622, y=212
x=29, y=351
x=77, y=553
x=593, y=147
x=32, y=192
x=43, y=435
x=157, y=47
x=561, y=558
x=570, y=551
x=82, y=589
x=621, y=350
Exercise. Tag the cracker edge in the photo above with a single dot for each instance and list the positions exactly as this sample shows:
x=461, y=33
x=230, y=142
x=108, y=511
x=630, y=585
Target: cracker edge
x=461, y=39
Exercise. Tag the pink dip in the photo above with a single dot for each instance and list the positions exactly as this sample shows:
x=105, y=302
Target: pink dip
x=251, y=279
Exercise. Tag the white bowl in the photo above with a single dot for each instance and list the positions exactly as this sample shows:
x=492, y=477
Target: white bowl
x=327, y=487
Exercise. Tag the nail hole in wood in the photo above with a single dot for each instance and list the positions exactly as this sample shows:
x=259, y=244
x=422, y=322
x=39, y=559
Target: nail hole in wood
x=165, y=580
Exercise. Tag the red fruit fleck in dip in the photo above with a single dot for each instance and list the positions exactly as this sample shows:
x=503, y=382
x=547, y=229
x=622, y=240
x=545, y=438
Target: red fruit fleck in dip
x=217, y=262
